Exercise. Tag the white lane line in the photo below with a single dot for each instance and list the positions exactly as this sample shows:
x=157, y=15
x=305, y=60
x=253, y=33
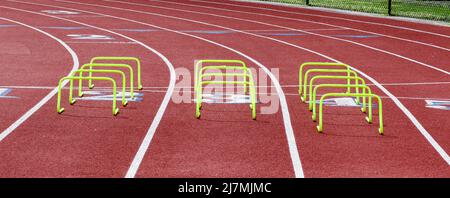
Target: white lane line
x=293, y=150
x=156, y=120
x=297, y=30
x=44, y=100
x=106, y=42
x=259, y=86
x=304, y=21
x=216, y=30
x=412, y=118
x=81, y=16
x=329, y=17
x=155, y=90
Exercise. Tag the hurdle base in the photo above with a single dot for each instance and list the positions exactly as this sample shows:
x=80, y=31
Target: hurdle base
x=368, y=120
x=319, y=129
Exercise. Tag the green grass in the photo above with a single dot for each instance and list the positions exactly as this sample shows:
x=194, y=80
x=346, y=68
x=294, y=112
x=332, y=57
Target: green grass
x=425, y=9
x=434, y=10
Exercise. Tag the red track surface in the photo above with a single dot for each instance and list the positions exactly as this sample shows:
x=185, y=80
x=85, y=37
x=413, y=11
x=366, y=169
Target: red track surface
x=86, y=141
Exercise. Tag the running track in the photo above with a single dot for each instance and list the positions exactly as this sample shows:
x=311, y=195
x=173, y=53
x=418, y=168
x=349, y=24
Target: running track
x=405, y=62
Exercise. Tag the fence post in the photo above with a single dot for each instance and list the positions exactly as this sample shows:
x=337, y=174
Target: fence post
x=389, y=7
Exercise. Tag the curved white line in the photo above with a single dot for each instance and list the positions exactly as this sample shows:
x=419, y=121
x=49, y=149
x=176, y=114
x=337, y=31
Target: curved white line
x=330, y=17
x=151, y=131
x=44, y=100
x=293, y=150
x=412, y=118
x=285, y=18
x=297, y=30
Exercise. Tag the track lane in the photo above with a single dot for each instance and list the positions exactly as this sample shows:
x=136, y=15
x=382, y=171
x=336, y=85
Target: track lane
x=424, y=28
x=407, y=51
x=60, y=152
x=428, y=40
x=424, y=168
x=19, y=55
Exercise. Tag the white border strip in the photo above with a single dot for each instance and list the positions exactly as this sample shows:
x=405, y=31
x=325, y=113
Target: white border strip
x=44, y=100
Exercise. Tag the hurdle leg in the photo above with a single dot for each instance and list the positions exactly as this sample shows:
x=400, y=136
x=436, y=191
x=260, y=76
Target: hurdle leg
x=380, y=115
x=253, y=98
x=138, y=62
x=357, y=100
x=71, y=100
x=91, y=85
x=58, y=102
x=310, y=105
x=124, y=85
x=198, y=105
x=320, y=127
x=314, y=111
x=364, y=104
x=369, y=117
x=303, y=97
x=115, y=110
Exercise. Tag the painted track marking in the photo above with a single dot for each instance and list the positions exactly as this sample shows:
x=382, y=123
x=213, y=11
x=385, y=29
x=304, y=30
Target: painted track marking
x=156, y=90
x=295, y=86
x=412, y=118
x=331, y=17
x=292, y=29
x=44, y=100
x=293, y=19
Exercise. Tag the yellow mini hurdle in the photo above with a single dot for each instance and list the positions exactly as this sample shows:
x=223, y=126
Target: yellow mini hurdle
x=200, y=73
x=355, y=78
x=349, y=75
x=338, y=71
x=80, y=91
x=92, y=65
x=322, y=65
x=363, y=87
x=380, y=108
x=118, y=58
x=60, y=110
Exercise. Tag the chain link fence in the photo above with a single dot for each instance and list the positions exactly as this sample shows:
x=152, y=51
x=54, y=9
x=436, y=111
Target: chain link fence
x=425, y=9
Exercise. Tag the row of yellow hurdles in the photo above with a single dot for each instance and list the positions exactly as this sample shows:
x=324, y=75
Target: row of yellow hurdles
x=355, y=86
x=90, y=68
